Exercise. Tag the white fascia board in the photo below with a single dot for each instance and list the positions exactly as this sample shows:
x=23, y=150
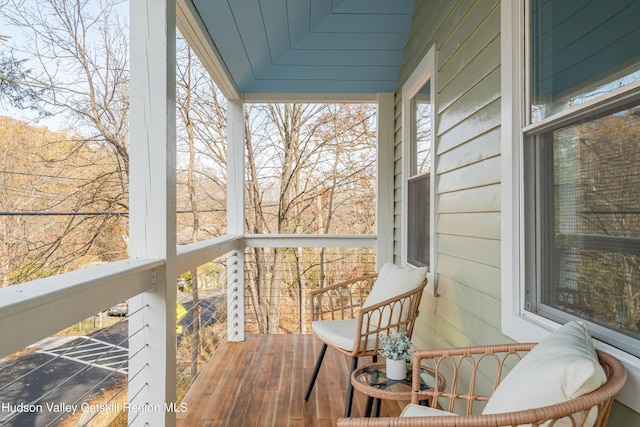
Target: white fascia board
x=310, y=98
x=195, y=33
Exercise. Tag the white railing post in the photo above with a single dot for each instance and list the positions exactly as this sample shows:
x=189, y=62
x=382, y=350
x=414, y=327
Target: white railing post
x=235, y=219
x=152, y=210
x=235, y=296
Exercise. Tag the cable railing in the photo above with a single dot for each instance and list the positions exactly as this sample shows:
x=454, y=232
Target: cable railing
x=201, y=325
x=84, y=375
x=94, y=388
x=277, y=282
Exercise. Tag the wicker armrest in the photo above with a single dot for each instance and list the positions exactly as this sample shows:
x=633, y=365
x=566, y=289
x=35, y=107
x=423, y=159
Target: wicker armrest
x=341, y=300
x=460, y=367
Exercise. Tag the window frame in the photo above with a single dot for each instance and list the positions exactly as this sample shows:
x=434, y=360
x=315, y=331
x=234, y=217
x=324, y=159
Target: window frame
x=518, y=323
x=424, y=72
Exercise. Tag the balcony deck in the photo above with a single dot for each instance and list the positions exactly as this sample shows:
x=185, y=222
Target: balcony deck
x=262, y=381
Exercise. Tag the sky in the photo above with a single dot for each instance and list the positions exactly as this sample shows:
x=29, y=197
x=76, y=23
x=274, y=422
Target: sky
x=16, y=40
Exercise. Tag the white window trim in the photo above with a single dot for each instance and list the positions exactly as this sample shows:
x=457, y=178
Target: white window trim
x=516, y=322
x=424, y=71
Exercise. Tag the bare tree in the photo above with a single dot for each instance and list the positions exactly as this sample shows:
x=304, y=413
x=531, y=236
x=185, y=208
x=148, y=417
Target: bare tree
x=302, y=167
x=201, y=162
x=56, y=214
x=78, y=52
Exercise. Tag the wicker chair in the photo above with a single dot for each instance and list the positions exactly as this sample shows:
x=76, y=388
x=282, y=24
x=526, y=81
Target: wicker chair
x=461, y=367
x=346, y=319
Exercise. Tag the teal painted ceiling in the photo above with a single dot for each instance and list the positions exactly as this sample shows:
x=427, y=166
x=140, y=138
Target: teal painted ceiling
x=309, y=46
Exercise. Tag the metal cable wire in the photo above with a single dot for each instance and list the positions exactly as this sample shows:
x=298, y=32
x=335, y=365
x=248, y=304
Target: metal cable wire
x=61, y=355
x=120, y=390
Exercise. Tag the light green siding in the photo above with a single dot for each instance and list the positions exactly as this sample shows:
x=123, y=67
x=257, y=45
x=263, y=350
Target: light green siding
x=467, y=35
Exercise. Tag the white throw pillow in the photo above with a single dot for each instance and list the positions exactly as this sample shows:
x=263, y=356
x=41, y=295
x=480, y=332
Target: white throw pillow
x=394, y=280
x=561, y=367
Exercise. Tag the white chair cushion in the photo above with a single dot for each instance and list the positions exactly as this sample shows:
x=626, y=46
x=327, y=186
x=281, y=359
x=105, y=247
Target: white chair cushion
x=394, y=280
x=561, y=367
x=413, y=410
x=338, y=333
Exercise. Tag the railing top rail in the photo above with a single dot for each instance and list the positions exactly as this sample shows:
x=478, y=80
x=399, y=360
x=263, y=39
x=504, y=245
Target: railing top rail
x=310, y=240
x=195, y=254
x=42, y=307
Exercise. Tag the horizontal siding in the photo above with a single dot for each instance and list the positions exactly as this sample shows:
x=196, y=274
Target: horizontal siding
x=475, y=175
x=480, y=199
x=476, y=95
x=473, y=249
x=449, y=319
x=468, y=175
x=467, y=273
x=475, y=54
x=464, y=32
x=484, y=225
x=467, y=308
x=482, y=147
x=482, y=121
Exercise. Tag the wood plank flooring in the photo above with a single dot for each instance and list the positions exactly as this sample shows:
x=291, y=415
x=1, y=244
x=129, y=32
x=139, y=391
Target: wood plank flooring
x=261, y=382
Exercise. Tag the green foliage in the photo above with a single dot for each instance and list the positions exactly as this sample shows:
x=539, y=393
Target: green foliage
x=13, y=87
x=396, y=346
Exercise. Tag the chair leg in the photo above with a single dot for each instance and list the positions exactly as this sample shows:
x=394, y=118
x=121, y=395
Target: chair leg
x=367, y=410
x=347, y=408
x=323, y=350
x=376, y=408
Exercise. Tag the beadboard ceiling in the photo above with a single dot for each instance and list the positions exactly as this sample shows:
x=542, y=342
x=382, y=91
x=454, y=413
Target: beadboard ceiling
x=309, y=46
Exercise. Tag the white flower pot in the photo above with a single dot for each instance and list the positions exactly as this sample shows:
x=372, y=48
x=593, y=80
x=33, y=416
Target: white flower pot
x=396, y=369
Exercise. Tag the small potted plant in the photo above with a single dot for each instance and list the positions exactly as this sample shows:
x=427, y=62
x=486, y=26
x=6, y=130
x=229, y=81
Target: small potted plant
x=396, y=349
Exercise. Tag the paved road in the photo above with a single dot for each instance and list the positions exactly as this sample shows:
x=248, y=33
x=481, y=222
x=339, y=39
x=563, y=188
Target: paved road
x=58, y=379
x=42, y=388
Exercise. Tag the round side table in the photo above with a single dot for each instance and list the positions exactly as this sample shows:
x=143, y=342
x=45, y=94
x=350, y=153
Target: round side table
x=373, y=382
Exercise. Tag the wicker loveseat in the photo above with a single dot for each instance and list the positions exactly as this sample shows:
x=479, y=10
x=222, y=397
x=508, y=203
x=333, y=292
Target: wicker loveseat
x=541, y=377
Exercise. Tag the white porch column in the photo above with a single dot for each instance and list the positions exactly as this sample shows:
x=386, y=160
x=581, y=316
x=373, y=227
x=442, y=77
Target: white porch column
x=235, y=218
x=385, y=178
x=152, y=210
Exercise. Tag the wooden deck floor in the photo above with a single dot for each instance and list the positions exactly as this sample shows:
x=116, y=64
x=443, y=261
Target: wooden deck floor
x=262, y=381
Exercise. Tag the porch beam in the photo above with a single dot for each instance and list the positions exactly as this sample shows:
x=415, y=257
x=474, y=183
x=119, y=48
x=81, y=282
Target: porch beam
x=309, y=98
x=152, y=210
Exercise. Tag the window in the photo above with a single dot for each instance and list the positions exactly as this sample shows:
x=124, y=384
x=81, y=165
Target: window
x=418, y=141
x=582, y=167
x=419, y=182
